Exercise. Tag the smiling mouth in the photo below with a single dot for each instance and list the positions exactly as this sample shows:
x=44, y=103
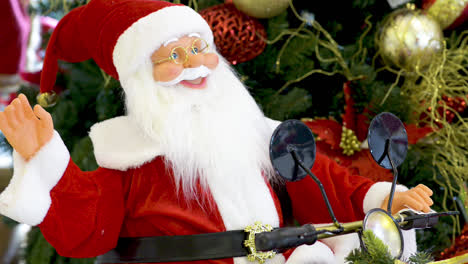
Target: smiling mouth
x=198, y=83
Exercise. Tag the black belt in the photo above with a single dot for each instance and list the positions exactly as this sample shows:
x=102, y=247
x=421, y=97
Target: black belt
x=177, y=248
x=204, y=246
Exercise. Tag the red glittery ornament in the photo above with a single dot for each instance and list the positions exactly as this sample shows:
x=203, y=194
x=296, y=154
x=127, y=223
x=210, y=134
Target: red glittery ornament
x=458, y=248
x=457, y=104
x=238, y=37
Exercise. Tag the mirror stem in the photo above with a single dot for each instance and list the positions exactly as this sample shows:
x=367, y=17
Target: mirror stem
x=392, y=191
x=322, y=190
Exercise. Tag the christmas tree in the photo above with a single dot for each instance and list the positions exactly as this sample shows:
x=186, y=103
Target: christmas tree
x=335, y=66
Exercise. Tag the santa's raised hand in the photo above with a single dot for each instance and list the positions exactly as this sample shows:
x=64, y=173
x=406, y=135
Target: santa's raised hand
x=417, y=198
x=27, y=130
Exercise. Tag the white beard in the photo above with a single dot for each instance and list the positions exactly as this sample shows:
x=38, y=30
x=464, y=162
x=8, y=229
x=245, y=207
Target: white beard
x=217, y=137
x=216, y=133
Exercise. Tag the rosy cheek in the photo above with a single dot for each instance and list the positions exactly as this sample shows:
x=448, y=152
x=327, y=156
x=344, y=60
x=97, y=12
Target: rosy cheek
x=165, y=73
x=211, y=60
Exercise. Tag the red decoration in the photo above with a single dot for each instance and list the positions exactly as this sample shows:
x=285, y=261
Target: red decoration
x=328, y=140
x=415, y=133
x=359, y=123
x=238, y=37
x=458, y=248
x=14, y=31
x=329, y=137
x=457, y=104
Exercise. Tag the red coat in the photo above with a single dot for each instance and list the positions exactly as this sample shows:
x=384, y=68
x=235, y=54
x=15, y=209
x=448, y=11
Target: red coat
x=90, y=210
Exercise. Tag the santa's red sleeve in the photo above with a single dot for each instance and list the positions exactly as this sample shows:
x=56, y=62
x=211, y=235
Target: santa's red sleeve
x=79, y=213
x=346, y=193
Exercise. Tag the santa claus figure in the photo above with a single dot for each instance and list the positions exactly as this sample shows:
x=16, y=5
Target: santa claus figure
x=190, y=156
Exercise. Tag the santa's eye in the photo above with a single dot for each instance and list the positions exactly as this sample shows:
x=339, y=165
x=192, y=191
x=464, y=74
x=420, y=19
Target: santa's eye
x=200, y=46
x=174, y=56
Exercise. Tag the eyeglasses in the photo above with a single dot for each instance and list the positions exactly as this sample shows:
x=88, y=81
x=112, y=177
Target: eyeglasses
x=179, y=55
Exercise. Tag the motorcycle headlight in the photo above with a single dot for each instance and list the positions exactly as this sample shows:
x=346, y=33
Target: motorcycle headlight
x=386, y=229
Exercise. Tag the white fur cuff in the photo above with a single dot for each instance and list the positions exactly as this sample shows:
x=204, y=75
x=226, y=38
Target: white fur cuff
x=313, y=254
x=27, y=198
x=377, y=193
x=409, y=243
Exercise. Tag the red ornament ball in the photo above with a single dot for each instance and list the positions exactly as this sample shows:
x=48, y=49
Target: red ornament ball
x=238, y=37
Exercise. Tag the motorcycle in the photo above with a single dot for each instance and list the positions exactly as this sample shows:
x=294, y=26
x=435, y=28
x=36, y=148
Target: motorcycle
x=292, y=153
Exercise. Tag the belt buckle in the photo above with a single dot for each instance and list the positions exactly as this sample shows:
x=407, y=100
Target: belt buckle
x=255, y=255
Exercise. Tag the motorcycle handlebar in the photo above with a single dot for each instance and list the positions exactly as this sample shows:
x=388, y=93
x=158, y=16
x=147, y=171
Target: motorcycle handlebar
x=280, y=239
x=412, y=220
x=285, y=238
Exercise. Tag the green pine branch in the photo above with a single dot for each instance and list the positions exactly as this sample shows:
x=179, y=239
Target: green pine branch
x=376, y=252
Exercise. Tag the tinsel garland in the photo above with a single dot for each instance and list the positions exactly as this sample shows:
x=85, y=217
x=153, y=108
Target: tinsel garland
x=446, y=76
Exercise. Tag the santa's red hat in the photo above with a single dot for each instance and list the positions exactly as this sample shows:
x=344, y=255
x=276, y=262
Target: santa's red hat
x=120, y=35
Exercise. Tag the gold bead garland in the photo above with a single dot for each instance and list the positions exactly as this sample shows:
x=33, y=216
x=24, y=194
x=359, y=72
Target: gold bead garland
x=349, y=142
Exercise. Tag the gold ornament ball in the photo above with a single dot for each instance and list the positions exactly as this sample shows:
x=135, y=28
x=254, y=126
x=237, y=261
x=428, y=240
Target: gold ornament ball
x=262, y=8
x=409, y=39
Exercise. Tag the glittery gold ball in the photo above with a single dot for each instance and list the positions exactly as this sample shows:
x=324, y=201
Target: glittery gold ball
x=409, y=39
x=446, y=12
x=262, y=8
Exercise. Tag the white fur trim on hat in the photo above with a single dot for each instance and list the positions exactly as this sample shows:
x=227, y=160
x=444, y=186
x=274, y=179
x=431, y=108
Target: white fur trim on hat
x=27, y=198
x=142, y=38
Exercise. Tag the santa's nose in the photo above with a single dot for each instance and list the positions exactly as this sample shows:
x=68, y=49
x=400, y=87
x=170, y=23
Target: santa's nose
x=210, y=60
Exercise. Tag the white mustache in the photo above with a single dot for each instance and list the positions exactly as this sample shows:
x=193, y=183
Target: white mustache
x=188, y=74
